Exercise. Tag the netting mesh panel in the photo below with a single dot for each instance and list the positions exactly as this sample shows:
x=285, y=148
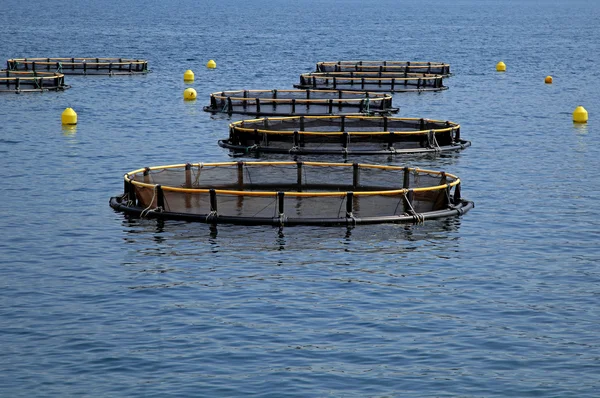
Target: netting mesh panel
x=371, y=81
x=80, y=66
x=289, y=102
x=384, y=66
x=297, y=190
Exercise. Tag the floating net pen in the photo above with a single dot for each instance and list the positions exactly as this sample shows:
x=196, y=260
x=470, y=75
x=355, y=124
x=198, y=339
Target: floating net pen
x=346, y=135
x=20, y=81
x=436, y=68
x=299, y=102
x=291, y=193
x=80, y=66
x=372, y=81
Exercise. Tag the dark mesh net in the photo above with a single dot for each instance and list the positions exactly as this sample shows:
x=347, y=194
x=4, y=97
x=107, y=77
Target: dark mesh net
x=299, y=102
x=372, y=81
x=80, y=66
x=343, y=134
x=290, y=193
x=19, y=81
x=436, y=68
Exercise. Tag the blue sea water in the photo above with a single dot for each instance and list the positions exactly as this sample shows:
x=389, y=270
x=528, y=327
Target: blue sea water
x=502, y=302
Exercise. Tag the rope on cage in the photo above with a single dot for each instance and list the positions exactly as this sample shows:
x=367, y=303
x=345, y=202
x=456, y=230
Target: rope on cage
x=251, y=148
x=148, y=209
x=419, y=218
x=59, y=69
x=35, y=81
x=212, y=215
x=433, y=143
x=14, y=65
x=225, y=108
x=197, y=175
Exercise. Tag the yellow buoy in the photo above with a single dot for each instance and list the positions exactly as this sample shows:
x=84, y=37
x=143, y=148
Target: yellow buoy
x=211, y=64
x=548, y=80
x=188, y=76
x=580, y=115
x=69, y=117
x=189, y=94
x=501, y=67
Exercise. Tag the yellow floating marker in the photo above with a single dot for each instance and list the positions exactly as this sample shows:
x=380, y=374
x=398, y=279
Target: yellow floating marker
x=548, y=80
x=580, y=115
x=69, y=117
x=189, y=94
x=501, y=67
x=188, y=76
x=211, y=64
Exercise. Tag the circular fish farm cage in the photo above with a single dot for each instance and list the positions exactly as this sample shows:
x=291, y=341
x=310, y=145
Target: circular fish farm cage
x=436, y=68
x=290, y=193
x=80, y=66
x=346, y=135
x=299, y=102
x=372, y=81
x=20, y=81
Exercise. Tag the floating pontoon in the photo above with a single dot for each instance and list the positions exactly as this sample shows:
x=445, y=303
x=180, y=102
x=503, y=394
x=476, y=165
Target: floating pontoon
x=291, y=193
x=347, y=135
x=299, y=102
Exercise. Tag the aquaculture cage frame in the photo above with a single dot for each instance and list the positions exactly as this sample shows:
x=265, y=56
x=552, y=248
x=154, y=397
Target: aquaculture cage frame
x=372, y=81
x=290, y=193
x=31, y=81
x=437, y=68
x=299, y=102
x=346, y=135
x=81, y=66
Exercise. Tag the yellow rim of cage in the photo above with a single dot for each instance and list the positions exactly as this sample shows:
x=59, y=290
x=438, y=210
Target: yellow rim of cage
x=127, y=178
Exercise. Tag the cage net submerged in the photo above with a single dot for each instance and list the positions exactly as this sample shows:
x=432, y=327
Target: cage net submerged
x=299, y=102
x=372, y=81
x=80, y=66
x=436, y=68
x=346, y=135
x=21, y=81
x=290, y=193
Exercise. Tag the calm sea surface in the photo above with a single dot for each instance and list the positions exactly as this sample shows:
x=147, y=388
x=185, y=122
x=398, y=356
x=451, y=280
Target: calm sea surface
x=502, y=302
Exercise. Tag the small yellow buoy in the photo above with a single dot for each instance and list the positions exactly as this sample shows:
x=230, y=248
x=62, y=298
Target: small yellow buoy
x=548, y=80
x=188, y=76
x=69, y=117
x=580, y=115
x=189, y=94
x=211, y=64
x=501, y=67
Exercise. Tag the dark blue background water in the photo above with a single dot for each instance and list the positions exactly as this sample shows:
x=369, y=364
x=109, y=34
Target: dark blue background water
x=501, y=302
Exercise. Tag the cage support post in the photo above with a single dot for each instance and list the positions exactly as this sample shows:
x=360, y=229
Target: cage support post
x=160, y=197
x=213, y=200
x=240, y=174
x=299, y=174
x=355, y=175
x=188, y=175
x=349, y=203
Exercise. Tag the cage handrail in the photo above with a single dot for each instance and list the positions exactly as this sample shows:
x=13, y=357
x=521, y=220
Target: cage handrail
x=128, y=177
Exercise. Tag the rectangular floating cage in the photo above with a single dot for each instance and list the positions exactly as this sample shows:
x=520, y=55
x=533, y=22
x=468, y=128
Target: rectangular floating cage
x=345, y=135
x=80, y=66
x=436, y=68
x=299, y=102
x=290, y=193
x=22, y=81
x=372, y=81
